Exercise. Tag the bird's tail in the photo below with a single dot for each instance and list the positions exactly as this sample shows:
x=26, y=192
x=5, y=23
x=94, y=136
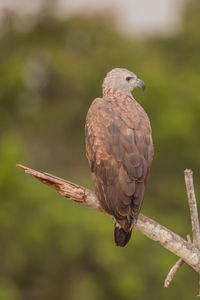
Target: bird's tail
x=121, y=236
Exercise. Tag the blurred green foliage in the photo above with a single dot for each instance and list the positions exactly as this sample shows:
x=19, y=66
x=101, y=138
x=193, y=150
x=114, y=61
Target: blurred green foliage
x=50, y=72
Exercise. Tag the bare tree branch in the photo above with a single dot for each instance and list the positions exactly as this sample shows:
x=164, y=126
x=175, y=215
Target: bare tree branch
x=158, y=233
x=193, y=210
x=175, y=268
x=188, y=174
x=195, y=225
x=172, y=272
x=193, y=206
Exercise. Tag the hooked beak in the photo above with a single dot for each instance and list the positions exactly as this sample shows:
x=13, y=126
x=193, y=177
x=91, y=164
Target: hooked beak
x=140, y=84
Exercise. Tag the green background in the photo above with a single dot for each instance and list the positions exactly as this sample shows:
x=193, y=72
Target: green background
x=50, y=71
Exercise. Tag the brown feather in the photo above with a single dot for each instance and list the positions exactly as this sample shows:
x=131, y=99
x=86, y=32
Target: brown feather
x=119, y=149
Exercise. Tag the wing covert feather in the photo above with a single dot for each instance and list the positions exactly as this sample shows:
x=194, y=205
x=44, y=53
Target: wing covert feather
x=119, y=149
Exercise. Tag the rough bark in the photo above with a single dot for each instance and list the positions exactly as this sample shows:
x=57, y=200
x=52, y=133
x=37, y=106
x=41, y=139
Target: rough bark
x=172, y=272
x=193, y=206
x=185, y=250
x=193, y=211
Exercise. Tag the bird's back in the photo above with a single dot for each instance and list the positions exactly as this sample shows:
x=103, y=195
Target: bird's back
x=119, y=149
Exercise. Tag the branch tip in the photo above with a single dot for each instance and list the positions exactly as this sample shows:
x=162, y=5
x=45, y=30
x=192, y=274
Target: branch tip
x=175, y=267
x=188, y=171
x=21, y=166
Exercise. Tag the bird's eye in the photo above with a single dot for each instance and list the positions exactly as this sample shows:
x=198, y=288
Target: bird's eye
x=128, y=78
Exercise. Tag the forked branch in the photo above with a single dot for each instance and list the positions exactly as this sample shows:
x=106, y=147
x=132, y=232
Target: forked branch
x=188, y=174
x=193, y=211
x=175, y=268
x=185, y=250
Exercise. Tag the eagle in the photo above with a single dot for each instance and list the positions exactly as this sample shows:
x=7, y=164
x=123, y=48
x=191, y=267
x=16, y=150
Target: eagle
x=120, y=150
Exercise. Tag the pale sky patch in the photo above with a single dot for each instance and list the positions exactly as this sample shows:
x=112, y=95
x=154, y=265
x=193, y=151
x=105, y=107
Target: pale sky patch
x=134, y=17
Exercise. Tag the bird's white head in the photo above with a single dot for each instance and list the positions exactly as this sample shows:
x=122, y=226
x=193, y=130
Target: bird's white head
x=120, y=79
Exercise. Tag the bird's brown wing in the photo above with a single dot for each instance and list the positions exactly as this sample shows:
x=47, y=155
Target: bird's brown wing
x=119, y=149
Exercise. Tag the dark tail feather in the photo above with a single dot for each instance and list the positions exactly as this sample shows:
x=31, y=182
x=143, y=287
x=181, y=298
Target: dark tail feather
x=121, y=236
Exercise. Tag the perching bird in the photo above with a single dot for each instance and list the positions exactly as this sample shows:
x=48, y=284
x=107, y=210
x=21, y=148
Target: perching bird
x=119, y=149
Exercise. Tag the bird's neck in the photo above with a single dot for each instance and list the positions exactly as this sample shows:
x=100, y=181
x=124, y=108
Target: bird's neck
x=114, y=93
